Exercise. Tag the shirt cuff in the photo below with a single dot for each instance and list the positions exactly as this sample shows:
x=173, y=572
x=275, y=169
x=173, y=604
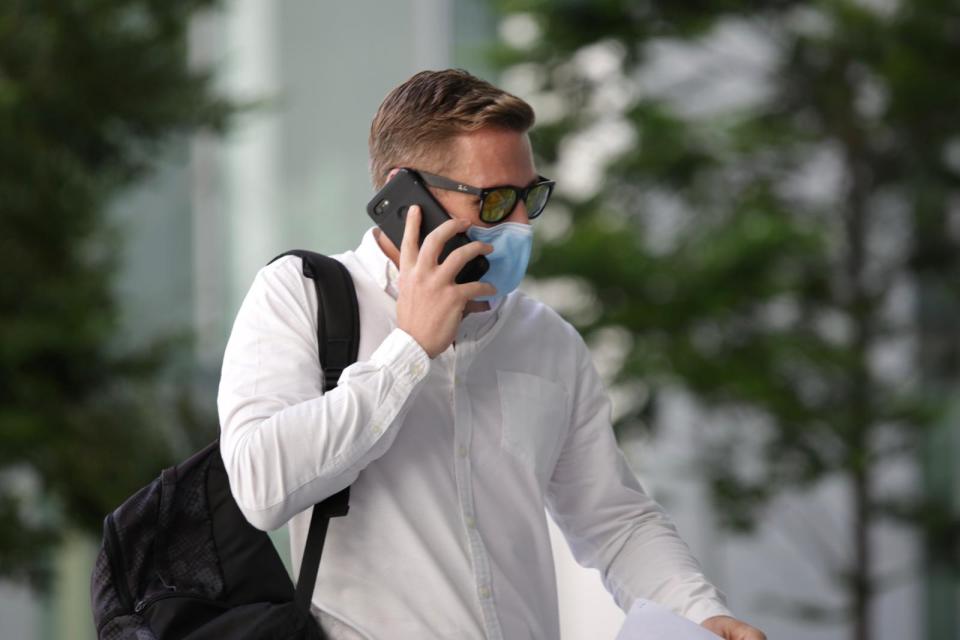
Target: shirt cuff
x=704, y=609
x=403, y=356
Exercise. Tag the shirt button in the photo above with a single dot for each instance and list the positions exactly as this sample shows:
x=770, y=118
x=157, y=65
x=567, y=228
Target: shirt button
x=377, y=430
x=415, y=369
x=484, y=593
x=462, y=452
x=470, y=522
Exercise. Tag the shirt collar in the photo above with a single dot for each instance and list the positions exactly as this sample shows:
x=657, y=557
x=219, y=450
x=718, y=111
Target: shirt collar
x=374, y=260
x=478, y=323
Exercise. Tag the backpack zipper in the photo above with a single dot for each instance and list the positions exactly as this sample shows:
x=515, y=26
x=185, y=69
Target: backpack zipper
x=173, y=593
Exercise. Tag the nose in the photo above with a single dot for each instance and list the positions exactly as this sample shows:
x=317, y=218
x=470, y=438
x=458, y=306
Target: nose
x=519, y=214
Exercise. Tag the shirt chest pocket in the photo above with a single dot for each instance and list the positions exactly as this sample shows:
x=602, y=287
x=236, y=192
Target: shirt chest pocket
x=535, y=414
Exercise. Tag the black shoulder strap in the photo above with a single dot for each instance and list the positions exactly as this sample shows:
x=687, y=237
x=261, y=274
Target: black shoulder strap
x=338, y=337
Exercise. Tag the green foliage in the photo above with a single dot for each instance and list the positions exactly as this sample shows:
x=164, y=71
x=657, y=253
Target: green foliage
x=90, y=91
x=770, y=302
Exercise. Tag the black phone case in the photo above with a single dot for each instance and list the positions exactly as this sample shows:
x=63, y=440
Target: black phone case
x=388, y=209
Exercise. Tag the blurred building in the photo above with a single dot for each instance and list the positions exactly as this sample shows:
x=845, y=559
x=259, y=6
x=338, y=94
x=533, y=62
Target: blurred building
x=293, y=174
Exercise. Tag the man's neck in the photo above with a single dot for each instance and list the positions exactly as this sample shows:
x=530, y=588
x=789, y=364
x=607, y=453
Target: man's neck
x=475, y=305
x=393, y=255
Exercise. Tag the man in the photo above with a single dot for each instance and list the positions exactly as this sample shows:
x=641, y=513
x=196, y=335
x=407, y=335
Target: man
x=469, y=411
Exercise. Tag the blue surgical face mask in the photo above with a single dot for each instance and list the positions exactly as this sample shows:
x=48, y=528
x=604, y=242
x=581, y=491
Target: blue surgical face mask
x=511, y=242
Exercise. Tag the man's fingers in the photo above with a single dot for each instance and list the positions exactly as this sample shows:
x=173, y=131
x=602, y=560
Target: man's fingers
x=433, y=243
x=732, y=629
x=459, y=257
x=410, y=245
x=473, y=290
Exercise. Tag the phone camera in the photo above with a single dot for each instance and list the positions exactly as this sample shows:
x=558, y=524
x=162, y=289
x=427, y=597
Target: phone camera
x=381, y=206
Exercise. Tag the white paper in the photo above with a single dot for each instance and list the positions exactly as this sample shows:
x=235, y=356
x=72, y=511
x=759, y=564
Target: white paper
x=649, y=621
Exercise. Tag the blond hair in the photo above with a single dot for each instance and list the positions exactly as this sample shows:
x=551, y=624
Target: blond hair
x=417, y=119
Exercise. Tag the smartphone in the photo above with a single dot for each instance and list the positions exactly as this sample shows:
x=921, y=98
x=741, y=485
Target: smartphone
x=388, y=209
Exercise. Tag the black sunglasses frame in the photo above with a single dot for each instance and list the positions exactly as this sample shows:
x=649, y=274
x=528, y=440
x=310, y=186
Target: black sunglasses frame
x=520, y=193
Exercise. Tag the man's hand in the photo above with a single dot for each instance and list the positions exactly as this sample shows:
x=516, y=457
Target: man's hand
x=430, y=303
x=732, y=629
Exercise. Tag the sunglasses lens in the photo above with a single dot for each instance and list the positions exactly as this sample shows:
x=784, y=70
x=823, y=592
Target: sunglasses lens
x=498, y=204
x=537, y=200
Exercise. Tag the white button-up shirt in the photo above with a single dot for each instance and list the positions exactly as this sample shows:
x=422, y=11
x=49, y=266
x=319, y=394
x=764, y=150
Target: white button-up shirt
x=451, y=463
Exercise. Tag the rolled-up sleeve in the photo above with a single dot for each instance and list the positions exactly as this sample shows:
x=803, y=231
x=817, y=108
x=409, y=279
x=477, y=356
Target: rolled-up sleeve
x=287, y=445
x=611, y=523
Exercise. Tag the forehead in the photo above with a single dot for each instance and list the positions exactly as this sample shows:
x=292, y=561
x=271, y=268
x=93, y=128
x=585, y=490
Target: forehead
x=489, y=157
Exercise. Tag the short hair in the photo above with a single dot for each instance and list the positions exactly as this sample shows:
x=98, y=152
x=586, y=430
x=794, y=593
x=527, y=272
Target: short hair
x=418, y=118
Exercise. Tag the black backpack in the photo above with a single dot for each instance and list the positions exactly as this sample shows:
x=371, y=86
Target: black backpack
x=178, y=558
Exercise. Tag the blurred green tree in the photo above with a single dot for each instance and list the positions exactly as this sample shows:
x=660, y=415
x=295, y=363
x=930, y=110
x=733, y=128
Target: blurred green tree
x=764, y=200
x=90, y=90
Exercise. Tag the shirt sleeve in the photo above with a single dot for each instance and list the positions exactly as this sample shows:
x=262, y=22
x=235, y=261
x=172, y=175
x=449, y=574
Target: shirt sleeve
x=286, y=445
x=611, y=523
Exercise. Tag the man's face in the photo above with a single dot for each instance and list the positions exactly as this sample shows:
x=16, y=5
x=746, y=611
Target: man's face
x=485, y=158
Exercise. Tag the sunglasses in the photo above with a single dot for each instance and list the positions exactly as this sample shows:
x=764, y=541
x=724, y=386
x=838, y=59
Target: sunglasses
x=497, y=203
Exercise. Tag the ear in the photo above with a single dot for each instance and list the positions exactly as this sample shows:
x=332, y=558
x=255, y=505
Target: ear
x=392, y=173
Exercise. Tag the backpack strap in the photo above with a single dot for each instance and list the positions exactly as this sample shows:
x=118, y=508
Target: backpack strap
x=338, y=337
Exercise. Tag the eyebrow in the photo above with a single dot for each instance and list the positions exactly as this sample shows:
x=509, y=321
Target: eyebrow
x=537, y=179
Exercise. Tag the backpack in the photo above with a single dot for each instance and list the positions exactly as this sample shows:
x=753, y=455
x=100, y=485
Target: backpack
x=179, y=559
